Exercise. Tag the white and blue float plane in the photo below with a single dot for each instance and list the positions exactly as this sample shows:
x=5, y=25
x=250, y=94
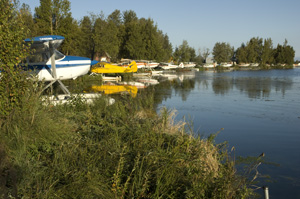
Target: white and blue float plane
x=48, y=64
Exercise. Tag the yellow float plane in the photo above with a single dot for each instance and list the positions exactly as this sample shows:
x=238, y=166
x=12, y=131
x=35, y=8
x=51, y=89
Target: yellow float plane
x=104, y=67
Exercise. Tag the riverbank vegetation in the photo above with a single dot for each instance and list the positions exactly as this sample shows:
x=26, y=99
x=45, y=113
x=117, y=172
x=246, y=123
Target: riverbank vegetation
x=120, y=151
x=80, y=150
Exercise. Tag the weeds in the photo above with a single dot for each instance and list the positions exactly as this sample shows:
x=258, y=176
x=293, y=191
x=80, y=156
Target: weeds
x=120, y=151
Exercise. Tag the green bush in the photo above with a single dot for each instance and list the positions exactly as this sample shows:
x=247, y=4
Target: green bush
x=118, y=151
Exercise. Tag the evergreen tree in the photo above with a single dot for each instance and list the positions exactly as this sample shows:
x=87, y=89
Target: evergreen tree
x=267, y=52
x=289, y=53
x=53, y=17
x=167, y=48
x=61, y=16
x=115, y=22
x=184, y=53
x=129, y=21
x=241, y=54
x=44, y=17
x=71, y=31
x=116, y=18
x=99, y=35
x=223, y=52
x=112, y=37
x=284, y=54
x=279, y=54
x=86, y=38
x=152, y=40
x=254, y=50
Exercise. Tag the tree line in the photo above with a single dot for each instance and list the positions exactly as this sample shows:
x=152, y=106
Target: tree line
x=256, y=50
x=124, y=35
x=119, y=35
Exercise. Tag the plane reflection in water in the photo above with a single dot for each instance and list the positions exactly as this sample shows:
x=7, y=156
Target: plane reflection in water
x=115, y=89
x=131, y=87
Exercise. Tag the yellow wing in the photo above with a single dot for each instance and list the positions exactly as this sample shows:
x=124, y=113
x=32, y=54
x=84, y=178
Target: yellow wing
x=104, y=67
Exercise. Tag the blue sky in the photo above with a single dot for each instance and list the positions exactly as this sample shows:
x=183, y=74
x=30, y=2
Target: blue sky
x=204, y=22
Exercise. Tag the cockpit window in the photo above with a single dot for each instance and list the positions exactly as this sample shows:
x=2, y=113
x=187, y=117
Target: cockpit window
x=58, y=55
x=42, y=55
x=39, y=57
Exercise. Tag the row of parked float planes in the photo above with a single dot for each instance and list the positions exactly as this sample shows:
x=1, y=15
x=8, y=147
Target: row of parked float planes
x=146, y=64
x=48, y=64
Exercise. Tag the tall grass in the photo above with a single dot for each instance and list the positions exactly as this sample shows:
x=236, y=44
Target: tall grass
x=125, y=150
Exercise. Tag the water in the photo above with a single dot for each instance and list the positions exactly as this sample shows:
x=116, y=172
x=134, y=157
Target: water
x=259, y=111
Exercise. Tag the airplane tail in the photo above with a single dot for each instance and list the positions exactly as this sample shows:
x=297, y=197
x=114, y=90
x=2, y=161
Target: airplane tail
x=132, y=66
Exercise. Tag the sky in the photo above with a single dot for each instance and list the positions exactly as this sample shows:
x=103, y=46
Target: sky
x=203, y=23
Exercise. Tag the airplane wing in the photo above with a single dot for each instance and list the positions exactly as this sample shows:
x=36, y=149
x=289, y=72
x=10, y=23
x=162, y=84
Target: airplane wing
x=56, y=40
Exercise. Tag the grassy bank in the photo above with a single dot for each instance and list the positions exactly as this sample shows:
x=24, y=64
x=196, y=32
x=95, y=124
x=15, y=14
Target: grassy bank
x=124, y=150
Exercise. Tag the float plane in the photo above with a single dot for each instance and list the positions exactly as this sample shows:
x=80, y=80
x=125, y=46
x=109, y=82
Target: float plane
x=48, y=64
x=105, y=67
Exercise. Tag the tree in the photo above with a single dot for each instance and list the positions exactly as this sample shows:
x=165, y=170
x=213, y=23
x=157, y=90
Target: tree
x=289, y=53
x=61, y=16
x=12, y=51
x=44, y=17
x=184, y=53
x=129, y=21
x=112, y=35
x=205, y=53
x=116, y=26
x=279, y=54
x=71, y=31
x=284, y=54
x=223, y=52
x=241, y=54
x=167, y=48
x=254, y=50
x=115, y=17
x=106, y=37
x=135, y=45
x=129, y=16
x=267, y=52
x=154, y=47
x=52, y=16
x=26, y=17
x=87, y=43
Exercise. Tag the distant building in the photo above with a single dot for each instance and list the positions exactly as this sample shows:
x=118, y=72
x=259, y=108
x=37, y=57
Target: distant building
x=103, y=57
x=209, y=60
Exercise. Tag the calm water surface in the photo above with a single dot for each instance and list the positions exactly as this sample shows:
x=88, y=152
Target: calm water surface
x=259, y=111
